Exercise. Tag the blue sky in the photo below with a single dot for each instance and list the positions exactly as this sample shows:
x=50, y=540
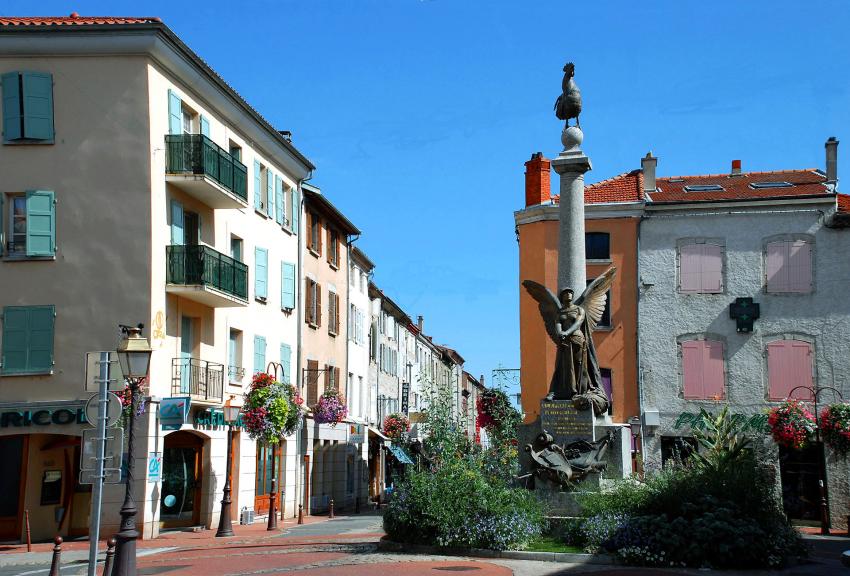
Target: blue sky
x=419, y=114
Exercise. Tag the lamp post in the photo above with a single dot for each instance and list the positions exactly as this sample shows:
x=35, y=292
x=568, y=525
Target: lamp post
x=134, y=355
x=273, y=368
x=824, y=505
x=225, y=522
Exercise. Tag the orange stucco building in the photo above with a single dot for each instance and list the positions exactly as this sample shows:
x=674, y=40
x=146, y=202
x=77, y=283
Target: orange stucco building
x=613, y=210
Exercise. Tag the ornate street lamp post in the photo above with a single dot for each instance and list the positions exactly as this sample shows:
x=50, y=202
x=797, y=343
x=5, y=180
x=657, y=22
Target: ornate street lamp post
x=274, y=368
x=225, y=522
x=134, y=355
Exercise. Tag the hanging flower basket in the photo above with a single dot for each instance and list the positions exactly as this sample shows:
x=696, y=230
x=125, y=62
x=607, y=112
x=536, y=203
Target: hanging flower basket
x=492, y=406
x=330, y=409
x=267, y=409
x=835, y=426
x=396, y=425
x=791, y=424
x=296, y=410
x=126, y=398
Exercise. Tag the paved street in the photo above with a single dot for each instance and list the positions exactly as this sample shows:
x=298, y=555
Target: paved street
x=342, y=546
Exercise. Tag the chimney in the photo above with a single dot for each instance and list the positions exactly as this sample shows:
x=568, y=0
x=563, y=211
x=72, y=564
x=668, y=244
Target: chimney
x=736, y=168
x=537, y=172
x=831, y=160
x=647, y=166
x=420, y=321
x=482, y=380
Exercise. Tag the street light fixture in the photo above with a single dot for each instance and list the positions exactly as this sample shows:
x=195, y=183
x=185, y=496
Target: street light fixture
x=275, y=368
x=134, y=355
x=225, y=523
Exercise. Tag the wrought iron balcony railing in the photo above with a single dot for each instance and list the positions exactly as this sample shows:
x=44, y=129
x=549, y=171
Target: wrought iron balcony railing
x=197, y=154
x=199, y=265
x=200, y=379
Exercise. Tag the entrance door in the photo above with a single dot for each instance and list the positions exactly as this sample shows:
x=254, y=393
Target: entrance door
x=182, y=473
x=187, y=345
x=13, y=450
x=800, y=472
x=267, y=459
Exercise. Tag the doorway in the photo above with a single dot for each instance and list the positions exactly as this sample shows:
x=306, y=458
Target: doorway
x=800, y=471
x=267, y=459
x=13, y=451
x=182, y=474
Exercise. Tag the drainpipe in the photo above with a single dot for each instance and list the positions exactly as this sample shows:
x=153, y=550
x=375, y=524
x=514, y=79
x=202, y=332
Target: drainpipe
x=351, y=240
x=299, y=455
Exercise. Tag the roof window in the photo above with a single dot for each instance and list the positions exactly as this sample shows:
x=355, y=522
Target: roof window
x=761, y=185
x=704, y=188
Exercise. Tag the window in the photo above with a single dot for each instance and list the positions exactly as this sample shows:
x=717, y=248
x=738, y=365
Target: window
x=700, y=268
x=236, y=151
x=606, y=385
x=264, y=194
x=789, y=364
x=312, y=302
x=286, y=362
x=279, y=202
x=332, y=378
x=605, y=320
x=287, y=286
x=27, y=108
x=597, y=246
x=333, y=248
x=259, y=354
x=235, y=371
x=333, y=313
x=314, y=233
x=31, y=221
x=28, y=339
x=788, y=265
x=261, y=263
x=236, y=248
x=703, y=371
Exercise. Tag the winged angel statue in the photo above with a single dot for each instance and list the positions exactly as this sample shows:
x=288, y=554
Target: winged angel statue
x=570, y=325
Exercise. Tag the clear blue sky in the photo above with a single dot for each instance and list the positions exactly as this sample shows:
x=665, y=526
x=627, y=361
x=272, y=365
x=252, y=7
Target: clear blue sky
x=419, y=114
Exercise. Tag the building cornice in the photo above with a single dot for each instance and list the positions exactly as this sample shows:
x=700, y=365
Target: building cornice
x=742, y=204
x=544, y=212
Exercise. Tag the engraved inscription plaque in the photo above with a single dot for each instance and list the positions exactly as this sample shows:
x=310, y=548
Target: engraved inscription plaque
x=566, y=424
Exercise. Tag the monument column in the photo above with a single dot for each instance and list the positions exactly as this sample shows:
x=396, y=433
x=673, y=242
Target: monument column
x=571, y=164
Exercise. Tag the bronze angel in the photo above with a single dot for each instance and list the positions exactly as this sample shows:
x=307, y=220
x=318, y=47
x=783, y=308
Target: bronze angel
x=570, y=325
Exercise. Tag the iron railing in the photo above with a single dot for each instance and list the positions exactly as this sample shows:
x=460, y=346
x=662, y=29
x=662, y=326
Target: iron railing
x=197, y=154
x=196, y=264
x=202, y=380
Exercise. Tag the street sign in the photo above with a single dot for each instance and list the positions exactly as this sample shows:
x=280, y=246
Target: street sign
x=155, y=467
x=116, y=378
x=113, y=409
x=113, y=448
x=110, y=476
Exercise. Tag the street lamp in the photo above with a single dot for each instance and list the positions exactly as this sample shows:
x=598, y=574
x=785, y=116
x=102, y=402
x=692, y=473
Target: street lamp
x=134, y=355
x=273, y=368
x=635, y=426
x=225, y=523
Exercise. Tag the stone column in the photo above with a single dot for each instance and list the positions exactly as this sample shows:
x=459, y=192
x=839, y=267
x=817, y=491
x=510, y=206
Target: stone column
x=571, y=164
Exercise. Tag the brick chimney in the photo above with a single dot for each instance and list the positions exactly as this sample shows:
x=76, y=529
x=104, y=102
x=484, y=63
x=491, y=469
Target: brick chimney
x=420, y=322
x=537, y=185
x=831, y=160
x=647, y=165
x=736, y=168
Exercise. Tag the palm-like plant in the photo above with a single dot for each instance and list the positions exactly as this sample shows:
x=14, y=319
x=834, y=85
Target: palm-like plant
x=722, y=440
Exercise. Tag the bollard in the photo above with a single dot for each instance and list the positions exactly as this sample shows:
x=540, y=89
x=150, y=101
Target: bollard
x=357, y=505
x=29, y=539
x=57, y=556
x=331, y=509
x=110, y=555
x=301, y=513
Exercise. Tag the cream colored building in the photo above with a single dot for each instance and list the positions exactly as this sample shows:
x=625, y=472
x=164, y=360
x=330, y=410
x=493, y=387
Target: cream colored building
x=138, y=186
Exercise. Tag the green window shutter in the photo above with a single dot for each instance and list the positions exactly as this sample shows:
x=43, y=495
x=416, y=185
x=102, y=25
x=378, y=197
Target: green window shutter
x=14, y=339
x=41, y=338
x=28, y=339
x=270, y=193
x=278, y=200
x=41, y=223
x=177, y=236
x=261, y=263
x=287, y=291
x=296, y=209
x=12, y=110
x=257, y=186
x=2, y=219
x=259, y=354
x=175, y=122
x=205, y=127
x=286, y=362
x=38, y=105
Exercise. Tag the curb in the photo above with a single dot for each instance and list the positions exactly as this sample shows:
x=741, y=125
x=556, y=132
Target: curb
x=385, y=545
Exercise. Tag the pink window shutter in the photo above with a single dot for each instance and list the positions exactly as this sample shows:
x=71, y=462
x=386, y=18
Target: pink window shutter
x=711, y=268
x=799, y=266
x=714, y=376
x=777, y=272
x=801, y=356
x=690, y=277
x=778, y=377
x=789, y=364
x=692, y=368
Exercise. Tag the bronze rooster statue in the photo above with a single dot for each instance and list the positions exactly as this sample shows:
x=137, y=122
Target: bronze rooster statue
x=568, y=104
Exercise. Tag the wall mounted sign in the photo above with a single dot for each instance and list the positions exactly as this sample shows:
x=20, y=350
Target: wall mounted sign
x=744, y=312
x=405, y=397
x=212, y=417
x=356, y=433
x=174, y=412
x=42, y=417
x=155, y=467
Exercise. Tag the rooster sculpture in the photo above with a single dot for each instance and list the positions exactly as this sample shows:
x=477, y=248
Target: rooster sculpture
x=568, y=104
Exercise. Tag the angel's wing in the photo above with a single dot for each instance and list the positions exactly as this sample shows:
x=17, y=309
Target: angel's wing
x=549, y=306
x=594, y=297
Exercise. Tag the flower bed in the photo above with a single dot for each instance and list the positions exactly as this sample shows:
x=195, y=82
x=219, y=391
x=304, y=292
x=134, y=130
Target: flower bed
x=791, y=424
x=330, y=409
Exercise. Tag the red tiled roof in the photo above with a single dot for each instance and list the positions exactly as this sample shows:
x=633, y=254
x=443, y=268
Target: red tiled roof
x=843, y=203
x=803, y=183
x=627, y=187
x=73, y=20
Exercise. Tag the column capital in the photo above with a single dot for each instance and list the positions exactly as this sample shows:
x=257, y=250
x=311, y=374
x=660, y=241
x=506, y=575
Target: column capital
x=574, y=162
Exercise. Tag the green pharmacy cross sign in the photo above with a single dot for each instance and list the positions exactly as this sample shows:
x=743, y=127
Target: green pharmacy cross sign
x=744, y=312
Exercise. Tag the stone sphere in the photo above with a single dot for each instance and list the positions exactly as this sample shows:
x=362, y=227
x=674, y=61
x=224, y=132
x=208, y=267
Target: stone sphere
x=572, y=137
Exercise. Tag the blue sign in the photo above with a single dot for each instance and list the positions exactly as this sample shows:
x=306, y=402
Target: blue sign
x=155, y=467
x=174, y=412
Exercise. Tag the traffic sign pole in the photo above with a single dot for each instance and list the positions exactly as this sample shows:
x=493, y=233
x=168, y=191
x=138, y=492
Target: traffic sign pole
x=97, y=488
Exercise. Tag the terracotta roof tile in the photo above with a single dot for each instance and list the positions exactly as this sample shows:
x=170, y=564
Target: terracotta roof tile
x=843, y=203
x=627, y=187
x=73, y=20
x=807, y=182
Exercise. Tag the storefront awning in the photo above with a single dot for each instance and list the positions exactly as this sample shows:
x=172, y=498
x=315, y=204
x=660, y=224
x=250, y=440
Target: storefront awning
x=378, y=433
x=400, y=454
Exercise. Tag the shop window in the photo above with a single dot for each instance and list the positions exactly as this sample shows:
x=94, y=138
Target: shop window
x=703, y=370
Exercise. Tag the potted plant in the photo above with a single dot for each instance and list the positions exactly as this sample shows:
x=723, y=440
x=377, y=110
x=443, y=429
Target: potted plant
x=396, y=425
x=791, y=424
x=835, y=426
x=267, y=409
x=330, y=409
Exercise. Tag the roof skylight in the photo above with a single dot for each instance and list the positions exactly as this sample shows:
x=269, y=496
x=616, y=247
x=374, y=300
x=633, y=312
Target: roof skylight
x=761, y=185
x=704, y=188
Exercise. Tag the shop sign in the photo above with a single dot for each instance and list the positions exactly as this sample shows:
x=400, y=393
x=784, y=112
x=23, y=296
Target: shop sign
x=155, y=467
x=212, y=417
x=174, y=412
x=42, y=417
x=357, y=433
x=405, y=397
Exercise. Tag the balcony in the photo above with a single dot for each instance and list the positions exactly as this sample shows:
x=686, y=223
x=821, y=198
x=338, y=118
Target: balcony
x=202, y=169
x=202, y=274
x=201, y=380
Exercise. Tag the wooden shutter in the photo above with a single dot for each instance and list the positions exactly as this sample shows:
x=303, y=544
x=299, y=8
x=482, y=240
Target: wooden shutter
x=312, y=382
x=789, y=364
x=308, y=301
x=318, y=224
x=278, y=200
x=15, y=339
x=177, y=235
x=287, y=296
x=296, y=209
x=41, y=223
x=175, y=120
x=205, y=126
x=337, y=381
x=38, y=105
x=270, y=193
x=689, y=268
x=336, y=318
x=261, y=275
x=328, y=376
x=714, y=375
x=258, y=187
x=286, y=362
x=799, y=266
x=28, y=339
x=692, y=369
x=711, y=268
x=318, y=304
x=40, y=325
x=331, y=312
x=310, y=231
x=777, y=271
x=330, y=245
x=12, y=109
x=259, y=354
